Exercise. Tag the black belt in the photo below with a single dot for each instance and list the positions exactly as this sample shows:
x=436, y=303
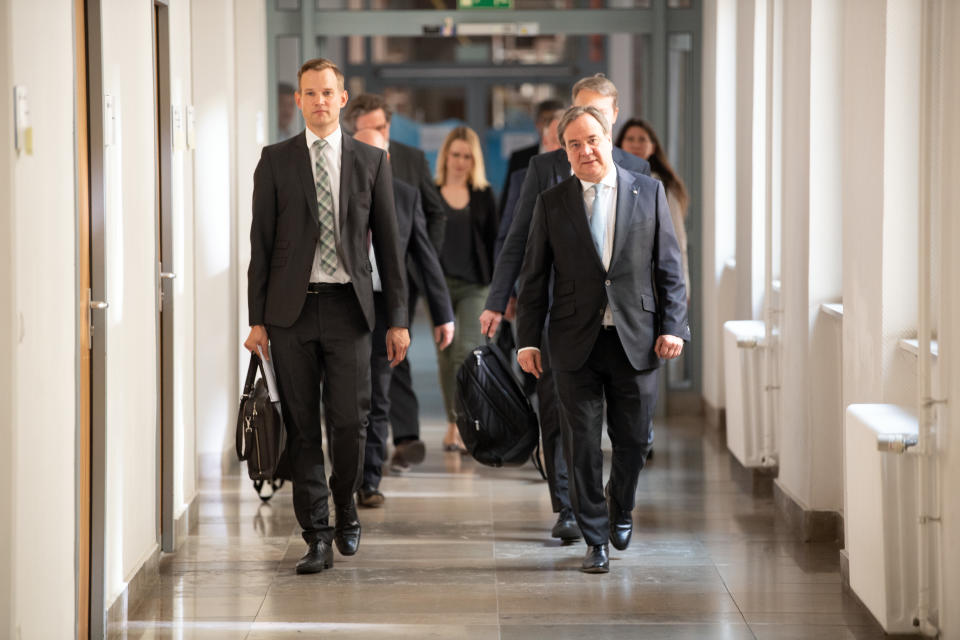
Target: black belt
x=326, y=287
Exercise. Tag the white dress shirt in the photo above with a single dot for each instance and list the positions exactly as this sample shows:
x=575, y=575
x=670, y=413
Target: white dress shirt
x=608, y=207
x=331, y=160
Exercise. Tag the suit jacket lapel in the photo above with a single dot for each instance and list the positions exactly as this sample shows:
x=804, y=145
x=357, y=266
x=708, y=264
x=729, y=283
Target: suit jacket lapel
x=561, y=168
x=626, y=204
x=346, y=176
x=304, y=169
x=573, y=203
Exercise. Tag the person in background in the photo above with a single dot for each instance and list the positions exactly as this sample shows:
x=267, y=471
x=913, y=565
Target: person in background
x=415, y=245
x=286, y=111
x=638, y=137
x=467, y=255
x=371, y=111
x=520, y=158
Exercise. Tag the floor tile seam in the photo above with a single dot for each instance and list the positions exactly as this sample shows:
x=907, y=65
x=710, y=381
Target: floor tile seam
x=276, y=574
x=496, y=577
x=735, y=603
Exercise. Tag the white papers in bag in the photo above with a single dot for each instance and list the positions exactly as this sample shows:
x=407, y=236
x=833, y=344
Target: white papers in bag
x=270, y=377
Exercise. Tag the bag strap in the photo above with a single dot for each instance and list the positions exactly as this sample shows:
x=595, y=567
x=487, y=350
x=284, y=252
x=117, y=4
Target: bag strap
x=247, y=391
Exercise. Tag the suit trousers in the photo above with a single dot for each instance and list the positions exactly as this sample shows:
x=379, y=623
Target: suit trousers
x=330, y=335
x=548, y=406
x=631, y=397
x=381, y=378
x=404, y=407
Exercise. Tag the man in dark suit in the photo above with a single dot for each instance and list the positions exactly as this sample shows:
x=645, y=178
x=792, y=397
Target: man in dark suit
x=371, y=111
x=545, y=171
x=414, y=244
x=605, y=239
x=520, y=158
x=316, y=197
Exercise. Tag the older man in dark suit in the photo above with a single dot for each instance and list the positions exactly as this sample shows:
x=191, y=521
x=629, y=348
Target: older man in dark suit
x=316, y=197
x=605, y=239
x=415, y=245
x=545, y=171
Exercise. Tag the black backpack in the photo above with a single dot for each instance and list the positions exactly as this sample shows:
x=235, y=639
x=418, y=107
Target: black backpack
x=495, y=419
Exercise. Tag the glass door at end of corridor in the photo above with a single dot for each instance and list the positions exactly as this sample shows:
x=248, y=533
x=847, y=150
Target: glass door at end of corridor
x=439, y=65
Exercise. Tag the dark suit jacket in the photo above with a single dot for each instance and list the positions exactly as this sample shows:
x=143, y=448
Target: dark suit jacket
x=415, y=244
x=410, y=165
x=519, y=159
x=285, y=229
x=545, y=170
x=509, y=208
x=644, y=284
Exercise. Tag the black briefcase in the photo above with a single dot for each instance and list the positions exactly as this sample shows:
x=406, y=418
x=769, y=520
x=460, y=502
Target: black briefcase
x=261, y=437
x=495, y=419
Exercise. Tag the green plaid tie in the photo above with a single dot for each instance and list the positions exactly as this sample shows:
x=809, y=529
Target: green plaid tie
x=328, y=241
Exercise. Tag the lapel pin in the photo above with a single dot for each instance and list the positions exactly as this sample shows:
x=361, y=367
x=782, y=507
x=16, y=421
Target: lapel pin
x=634, y=192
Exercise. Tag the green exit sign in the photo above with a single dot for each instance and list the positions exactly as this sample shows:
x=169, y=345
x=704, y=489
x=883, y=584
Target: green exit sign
x=485, y=4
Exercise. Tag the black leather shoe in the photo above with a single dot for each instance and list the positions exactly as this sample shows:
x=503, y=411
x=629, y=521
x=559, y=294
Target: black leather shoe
x=319, y=556
x=621, y=523
x=596, y=560
x=346, y=532
x=369, y=496
x=566, y=527
x=406, y=454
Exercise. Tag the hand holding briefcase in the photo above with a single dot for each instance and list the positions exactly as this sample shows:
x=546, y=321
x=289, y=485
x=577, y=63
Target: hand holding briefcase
x=261, y=436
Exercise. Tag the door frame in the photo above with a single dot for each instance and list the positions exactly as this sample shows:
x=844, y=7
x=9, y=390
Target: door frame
x=97, y=291
x=82, y=151
x=164, y=223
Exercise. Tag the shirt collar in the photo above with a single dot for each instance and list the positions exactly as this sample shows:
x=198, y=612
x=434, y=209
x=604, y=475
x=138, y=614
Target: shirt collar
x=609, y=180
x=334, y=140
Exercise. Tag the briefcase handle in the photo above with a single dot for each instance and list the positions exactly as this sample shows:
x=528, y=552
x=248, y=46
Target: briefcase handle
x=247, y=392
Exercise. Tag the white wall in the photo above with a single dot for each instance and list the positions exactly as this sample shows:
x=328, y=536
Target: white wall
x=229, y=89
x=880, y=133
x=811, y=270
x=185, y=425
x=215, y=206
x=719, y=182
x=251, y=134
x=43, y=413
x=131, y=275
x=750, y=157
x=7, y=316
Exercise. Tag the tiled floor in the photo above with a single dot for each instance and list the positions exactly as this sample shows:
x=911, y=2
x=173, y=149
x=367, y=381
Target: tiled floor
x=463, y=551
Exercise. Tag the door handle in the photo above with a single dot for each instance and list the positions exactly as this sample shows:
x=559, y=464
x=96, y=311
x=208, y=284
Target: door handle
x=91, y=305
x=167, y=275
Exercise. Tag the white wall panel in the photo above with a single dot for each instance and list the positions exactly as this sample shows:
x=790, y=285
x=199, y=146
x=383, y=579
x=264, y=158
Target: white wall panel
x=184, y=381
x=7, y=325
x=214, y=96
x=43, y=259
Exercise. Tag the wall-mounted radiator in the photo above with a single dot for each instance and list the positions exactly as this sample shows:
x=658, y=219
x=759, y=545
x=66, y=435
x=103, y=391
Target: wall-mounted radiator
x=749, y=437
x=881, y=512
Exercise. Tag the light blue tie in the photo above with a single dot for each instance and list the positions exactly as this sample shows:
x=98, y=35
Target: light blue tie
x=598, y=221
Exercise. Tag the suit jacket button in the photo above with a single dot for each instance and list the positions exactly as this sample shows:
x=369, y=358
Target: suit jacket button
x=607, y=282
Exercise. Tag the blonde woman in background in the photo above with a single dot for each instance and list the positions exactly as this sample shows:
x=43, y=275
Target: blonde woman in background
x=466, y=256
